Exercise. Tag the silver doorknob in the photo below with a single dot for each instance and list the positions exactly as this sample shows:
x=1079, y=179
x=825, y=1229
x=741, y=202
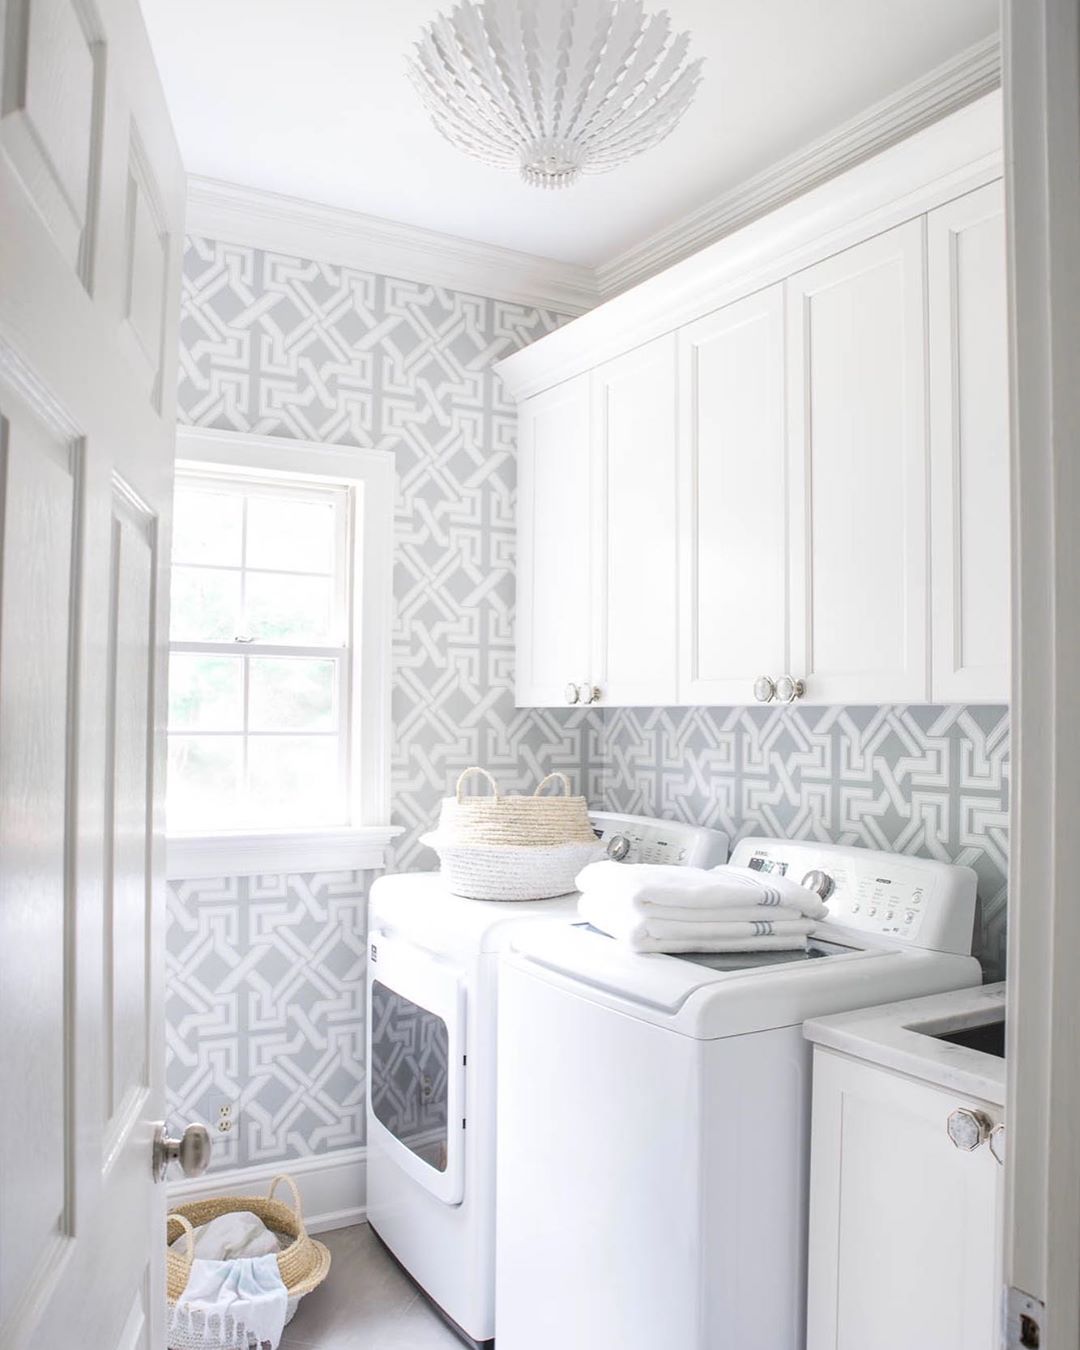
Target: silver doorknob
x=788, y=689
x=820, y=883
x=968, y=1129
x=191, y=1151
x=997, y=1143
x=572, y=693
x=764, y=689
x=589, y=693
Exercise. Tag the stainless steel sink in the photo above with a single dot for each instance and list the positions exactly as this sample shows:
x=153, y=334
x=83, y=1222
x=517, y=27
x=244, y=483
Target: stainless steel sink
x=989, y=1038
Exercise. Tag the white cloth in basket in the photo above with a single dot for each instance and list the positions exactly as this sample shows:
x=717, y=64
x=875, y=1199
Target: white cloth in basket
x=230, y=1305
x=237, y=1233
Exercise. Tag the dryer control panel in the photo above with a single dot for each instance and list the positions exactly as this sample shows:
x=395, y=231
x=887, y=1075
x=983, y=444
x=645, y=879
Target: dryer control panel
x=643, y=839
x=918, y=902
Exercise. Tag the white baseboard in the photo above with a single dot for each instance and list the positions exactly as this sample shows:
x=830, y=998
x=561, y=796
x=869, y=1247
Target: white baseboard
x=333, y=1186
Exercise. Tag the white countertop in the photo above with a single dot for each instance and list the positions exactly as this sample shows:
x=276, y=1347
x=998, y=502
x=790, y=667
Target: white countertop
x=895, y=1036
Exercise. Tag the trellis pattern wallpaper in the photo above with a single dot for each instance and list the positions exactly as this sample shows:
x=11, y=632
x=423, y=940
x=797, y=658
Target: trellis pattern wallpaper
x=266, y=974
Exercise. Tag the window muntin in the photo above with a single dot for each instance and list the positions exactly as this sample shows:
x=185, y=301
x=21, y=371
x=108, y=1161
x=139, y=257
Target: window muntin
x=259, y=687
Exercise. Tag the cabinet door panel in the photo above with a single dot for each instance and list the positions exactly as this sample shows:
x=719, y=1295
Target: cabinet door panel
x=634, y=442
x=856, y=407
x=969, y=448
x=555, y=526
x=903, y=1225
x=733, y=518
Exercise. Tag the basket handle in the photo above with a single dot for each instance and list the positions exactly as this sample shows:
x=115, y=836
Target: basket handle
x=566, y=791
x=298, y=1209
x=189, y=1233
x=467, y=773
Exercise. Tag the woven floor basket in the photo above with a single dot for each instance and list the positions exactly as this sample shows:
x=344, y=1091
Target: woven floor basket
x=304, y=1263
x=513, y=848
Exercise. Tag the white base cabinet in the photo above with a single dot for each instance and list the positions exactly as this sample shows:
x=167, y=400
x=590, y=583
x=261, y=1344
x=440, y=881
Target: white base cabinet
x=903, y=1225
x=803, y=493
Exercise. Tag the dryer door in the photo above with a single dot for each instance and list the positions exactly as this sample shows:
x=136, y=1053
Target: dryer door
x=416, y=1068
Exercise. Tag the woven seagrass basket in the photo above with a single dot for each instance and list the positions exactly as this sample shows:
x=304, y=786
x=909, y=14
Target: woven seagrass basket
x=304, y=1263
x=513, y=848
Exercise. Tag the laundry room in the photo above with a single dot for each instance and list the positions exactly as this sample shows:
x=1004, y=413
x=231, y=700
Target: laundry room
x=536, y=552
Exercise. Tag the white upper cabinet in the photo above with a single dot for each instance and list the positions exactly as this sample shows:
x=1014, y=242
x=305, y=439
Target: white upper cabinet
x=858, y=472
x=733, y=531
x=780, y=469
x=969, y=437
x=634, y=531
x=555, y=585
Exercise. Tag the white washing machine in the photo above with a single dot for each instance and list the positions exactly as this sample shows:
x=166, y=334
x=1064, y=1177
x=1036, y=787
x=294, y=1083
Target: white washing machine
x=653, y=1110
x=431, y=1068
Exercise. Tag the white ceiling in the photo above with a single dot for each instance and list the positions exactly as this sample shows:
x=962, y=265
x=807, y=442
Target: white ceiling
x=311, y=99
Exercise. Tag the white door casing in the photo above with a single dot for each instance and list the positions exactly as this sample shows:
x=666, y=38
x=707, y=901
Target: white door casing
x=91, y=221
x=1041, y=61
x=634, y=527
x=858, y=472
x=732, y=501
x=554, y=581
x=969, y=448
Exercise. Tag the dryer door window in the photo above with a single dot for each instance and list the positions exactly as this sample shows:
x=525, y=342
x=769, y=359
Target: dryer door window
x=410, y=1048
x=416, y=1063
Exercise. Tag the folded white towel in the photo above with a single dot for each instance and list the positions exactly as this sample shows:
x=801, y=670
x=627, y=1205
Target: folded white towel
x=654, y=887
x=658, y=932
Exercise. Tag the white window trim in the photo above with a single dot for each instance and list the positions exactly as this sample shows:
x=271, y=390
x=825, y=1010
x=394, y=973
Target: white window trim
x=363, y=844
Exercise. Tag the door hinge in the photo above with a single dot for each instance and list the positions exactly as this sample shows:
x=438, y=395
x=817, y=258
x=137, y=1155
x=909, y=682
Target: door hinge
x=1024, y=1318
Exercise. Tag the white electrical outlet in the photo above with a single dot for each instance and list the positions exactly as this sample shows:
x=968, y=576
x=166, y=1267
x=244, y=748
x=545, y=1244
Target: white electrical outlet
x=222, y=1115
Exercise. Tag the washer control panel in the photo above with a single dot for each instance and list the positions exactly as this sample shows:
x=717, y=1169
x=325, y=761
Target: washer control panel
x=642, y=839
x=915, y=901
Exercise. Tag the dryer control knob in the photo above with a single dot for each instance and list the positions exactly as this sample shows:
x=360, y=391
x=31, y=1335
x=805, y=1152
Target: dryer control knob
x=618, y=847
x=820, y=883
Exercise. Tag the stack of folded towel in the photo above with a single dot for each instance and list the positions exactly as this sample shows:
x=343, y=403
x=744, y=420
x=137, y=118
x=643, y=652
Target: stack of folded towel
x=656, y=908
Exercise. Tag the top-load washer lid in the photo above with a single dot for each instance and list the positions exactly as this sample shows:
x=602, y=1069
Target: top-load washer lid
x=857, y=962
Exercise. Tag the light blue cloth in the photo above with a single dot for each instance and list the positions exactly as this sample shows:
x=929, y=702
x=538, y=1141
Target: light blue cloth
x=230, y=1305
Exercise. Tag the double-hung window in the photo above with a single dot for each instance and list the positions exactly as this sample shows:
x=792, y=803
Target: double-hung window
x=273, y=619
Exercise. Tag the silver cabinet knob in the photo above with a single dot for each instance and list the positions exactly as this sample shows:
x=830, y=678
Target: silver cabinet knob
x=572, y=693
x=788, y=689
x=191, y=1151
x=820, y=883
x=589, y=693
x=997, y=1143
x=764, y=689
x=968, y=1129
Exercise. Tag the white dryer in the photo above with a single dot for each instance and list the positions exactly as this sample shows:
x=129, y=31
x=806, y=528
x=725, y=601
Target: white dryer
x=653, y=1110
x=431, y=1067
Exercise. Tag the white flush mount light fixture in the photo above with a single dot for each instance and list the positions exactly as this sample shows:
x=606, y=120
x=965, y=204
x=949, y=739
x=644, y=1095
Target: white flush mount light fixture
x=554, y=88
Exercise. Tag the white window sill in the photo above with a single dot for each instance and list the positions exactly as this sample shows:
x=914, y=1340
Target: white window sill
x=354, y=849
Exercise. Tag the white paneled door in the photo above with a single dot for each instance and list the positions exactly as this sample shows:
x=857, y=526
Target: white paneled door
x=858, y=468
x=91, y=217
x=733, y=510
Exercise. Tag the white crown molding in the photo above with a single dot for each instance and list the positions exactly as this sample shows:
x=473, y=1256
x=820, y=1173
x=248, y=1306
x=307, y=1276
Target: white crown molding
x=268, y=220
x=974, y=72
x=332, y=1186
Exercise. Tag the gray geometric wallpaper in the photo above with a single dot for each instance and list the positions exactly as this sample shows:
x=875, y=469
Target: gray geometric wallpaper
x=266, y=974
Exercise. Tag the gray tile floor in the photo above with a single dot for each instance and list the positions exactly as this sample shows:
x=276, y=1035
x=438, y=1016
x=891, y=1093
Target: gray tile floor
x=366, y=1303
